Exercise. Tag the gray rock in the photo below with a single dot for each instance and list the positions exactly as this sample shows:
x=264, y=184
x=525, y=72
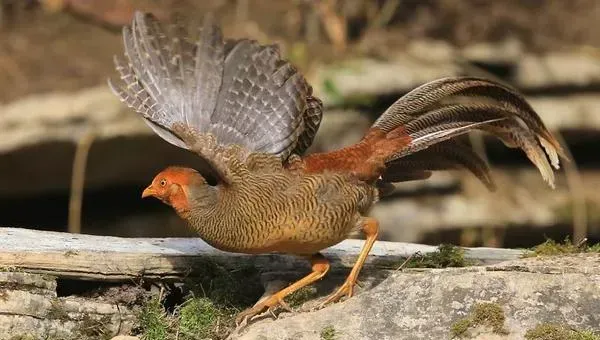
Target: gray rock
x=31, y=309
x=424, y=304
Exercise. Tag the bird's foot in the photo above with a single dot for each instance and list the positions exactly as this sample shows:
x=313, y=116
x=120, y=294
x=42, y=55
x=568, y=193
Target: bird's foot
x=347, y=290
x=269, y=305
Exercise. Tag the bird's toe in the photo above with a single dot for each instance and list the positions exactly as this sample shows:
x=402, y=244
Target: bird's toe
x=346, y=290
x=268, y=305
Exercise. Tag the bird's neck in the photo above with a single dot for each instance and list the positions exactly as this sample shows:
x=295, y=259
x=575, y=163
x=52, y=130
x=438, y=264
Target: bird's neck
x=193, y=199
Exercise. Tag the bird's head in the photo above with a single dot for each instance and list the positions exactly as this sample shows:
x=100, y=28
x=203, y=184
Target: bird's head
x=177, y=187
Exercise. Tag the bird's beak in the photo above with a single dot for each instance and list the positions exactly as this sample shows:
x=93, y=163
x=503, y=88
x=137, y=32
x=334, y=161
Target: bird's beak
x=149, y=191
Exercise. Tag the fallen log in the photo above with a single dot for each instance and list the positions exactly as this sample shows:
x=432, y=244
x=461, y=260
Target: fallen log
x=108, y=258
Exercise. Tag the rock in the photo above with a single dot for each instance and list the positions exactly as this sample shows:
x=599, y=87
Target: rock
x=31, y=308
x=426, y=303
x=517, y=294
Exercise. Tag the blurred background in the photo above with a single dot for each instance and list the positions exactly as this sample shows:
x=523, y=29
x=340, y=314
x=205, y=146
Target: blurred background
x=73, y=158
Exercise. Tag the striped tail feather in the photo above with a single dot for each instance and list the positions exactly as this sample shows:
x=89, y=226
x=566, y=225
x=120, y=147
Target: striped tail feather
x=436, y=112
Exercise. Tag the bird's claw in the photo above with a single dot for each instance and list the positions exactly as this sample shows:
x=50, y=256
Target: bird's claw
x=269, y=305
x=285, y=306
x=346, y=290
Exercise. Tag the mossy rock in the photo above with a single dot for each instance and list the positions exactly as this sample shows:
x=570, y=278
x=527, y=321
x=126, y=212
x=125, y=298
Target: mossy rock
x=549, y=331
x=328, y=333
x=208, y=309
x=445, y=256
x=552, y=248
x=482, y=314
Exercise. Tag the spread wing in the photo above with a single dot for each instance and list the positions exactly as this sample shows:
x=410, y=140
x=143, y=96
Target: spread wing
x=237, y=91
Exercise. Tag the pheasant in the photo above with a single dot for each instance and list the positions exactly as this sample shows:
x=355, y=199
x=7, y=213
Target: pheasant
x=250, y=115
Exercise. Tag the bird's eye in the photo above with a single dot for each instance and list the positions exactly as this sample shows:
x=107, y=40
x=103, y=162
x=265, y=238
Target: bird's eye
x=163, y=182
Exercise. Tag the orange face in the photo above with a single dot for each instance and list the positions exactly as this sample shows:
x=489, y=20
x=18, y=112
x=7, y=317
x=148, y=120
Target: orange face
x=171, y=186
x=159, y=187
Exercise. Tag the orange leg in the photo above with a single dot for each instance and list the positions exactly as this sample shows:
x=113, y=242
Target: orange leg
x=371, y=230
x=320, y=267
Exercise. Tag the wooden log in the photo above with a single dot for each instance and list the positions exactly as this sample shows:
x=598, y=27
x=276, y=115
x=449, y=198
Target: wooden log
x=108, y=258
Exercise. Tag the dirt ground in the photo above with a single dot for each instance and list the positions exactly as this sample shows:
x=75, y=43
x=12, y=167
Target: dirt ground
x=45, y=50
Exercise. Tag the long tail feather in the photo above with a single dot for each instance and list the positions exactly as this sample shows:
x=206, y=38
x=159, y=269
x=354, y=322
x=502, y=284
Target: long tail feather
x=446, y=108
x=446, y=155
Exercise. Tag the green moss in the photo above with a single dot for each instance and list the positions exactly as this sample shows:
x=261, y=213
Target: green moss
x=595, y=248
x=549, y=331
x=216, y=295
x=482, y=314
x=490, y=314
x=460, y=327
x=551, y=248
x=153, y=321
x=198, y=317
x=302, y=295
x=328, y=333
x=446, y=256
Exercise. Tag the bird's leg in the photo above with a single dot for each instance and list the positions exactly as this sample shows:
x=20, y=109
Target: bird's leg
x=371, y=229
x=320, y=267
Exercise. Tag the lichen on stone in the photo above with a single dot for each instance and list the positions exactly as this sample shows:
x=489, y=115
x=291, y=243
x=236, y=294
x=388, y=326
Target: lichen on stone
x=328, y=333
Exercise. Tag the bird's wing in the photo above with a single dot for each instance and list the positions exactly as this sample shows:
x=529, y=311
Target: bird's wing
x=443, y=109
x=238, y=91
